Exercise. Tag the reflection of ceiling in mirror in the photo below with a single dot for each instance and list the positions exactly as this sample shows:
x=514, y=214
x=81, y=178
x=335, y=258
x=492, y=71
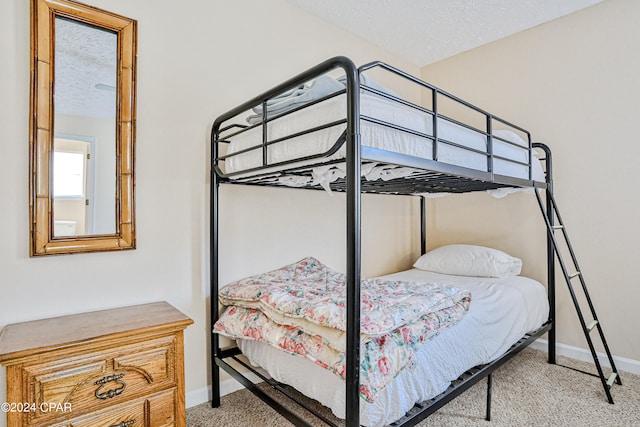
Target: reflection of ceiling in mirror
x=85, y=70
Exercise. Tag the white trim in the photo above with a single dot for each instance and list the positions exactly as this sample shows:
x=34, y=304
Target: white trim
x=228, y=385
x=196, y=397
x=584, y=355
x=203, y=395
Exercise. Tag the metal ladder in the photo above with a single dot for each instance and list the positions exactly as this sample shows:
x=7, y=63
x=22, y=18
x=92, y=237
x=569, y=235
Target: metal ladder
x=549, y=214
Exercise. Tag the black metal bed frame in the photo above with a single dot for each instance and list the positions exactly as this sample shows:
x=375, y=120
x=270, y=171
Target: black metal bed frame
x=436, y=177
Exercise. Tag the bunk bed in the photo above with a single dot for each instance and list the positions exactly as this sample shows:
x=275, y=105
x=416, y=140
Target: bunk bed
x=335, y=128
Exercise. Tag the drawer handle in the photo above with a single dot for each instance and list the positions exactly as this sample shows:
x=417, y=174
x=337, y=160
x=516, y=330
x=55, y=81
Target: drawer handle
x=110, y=393
x=124, y=424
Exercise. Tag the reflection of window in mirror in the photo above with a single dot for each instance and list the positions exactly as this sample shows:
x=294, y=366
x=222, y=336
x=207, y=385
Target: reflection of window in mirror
x=72, y=187
x=69, y=176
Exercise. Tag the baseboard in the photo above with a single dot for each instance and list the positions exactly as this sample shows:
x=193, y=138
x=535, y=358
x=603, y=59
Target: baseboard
x=196, y=397
x=227, y=385
x=584, y=355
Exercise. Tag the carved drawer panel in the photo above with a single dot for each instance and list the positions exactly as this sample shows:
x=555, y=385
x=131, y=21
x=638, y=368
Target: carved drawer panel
x=154, y=411
x=100, y=379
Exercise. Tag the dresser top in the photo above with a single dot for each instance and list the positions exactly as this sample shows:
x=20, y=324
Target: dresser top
x=30, y=338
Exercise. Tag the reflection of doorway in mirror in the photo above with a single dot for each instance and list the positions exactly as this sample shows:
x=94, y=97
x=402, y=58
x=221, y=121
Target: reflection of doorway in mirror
x=73, y=186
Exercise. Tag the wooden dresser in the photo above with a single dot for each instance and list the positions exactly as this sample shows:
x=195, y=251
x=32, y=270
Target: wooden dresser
x=111, y=368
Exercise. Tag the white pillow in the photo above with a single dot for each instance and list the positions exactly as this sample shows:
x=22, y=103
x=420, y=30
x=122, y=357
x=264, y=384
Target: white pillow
x=469, y=260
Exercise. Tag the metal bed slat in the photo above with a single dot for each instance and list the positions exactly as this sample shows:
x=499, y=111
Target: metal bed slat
x=282, y=410
x=282, y=388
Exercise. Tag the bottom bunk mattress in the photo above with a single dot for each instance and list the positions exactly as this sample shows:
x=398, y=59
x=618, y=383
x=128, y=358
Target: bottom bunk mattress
x=502, y=311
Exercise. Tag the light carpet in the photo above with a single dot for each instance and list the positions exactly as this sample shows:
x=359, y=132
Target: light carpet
x=527, y=391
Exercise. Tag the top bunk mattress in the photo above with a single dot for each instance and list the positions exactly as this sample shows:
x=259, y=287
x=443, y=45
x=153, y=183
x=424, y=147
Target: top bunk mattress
x=511, y=152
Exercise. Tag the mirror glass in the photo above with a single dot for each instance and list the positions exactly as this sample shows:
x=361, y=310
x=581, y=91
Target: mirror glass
x=82, y=129
x=84, y=144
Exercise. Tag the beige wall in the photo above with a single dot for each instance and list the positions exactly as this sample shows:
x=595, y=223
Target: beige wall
x=573, y=83
x=195, y=60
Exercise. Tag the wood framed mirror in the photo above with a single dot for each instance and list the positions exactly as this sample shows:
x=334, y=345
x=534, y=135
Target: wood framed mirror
x=82, y=129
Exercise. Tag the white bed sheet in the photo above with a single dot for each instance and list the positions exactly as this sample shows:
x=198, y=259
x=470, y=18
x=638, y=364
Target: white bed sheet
x=377, y=136
x=501, y=312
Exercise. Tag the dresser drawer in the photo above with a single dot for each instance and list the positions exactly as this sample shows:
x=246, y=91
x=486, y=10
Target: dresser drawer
x=100, y=379
x=153, y=411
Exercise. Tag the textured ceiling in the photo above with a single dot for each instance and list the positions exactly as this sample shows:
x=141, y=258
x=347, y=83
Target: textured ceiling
x=420, y=31
x=427, y=31
x=85, y=70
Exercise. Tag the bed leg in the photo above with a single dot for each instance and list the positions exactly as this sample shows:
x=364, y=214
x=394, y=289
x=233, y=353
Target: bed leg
x=215, y=371
x=215, y=387
x=489, y=387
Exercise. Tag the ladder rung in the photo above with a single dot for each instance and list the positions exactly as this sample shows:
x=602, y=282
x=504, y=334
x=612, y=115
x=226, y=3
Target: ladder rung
x=557, y=227
x=592, y=325
x=611, y=379
x=577, y=273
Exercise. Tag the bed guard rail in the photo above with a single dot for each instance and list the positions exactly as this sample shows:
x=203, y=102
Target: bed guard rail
x=352, y=89
x=230, y=125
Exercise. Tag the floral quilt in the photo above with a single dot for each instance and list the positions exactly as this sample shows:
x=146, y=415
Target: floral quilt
x=300, y=308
